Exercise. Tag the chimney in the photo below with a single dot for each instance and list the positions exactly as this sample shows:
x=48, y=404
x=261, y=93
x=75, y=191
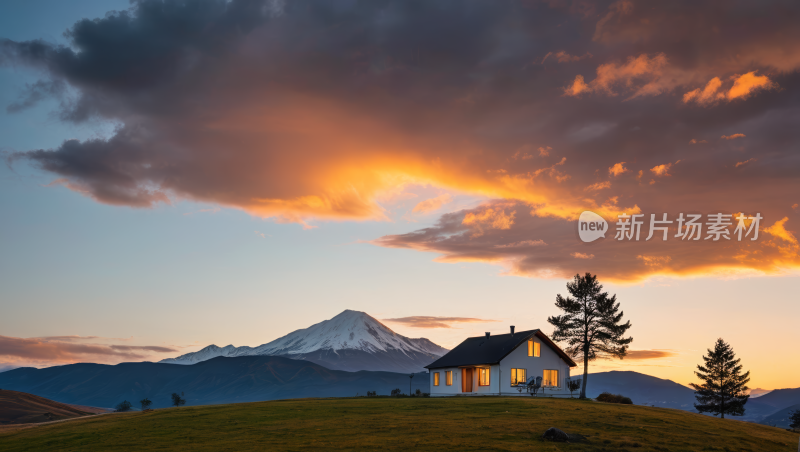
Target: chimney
x=512, y=330
x=488, y=334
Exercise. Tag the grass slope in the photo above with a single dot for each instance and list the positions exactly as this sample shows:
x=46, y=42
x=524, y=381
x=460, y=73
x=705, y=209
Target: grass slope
x=475, y=423
x=21, y=408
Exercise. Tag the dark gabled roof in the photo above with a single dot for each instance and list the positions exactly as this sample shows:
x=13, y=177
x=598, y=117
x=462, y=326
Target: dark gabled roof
x=492, y=349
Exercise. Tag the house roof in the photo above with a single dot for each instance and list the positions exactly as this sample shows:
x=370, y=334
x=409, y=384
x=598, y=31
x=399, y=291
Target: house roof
x=492, y=349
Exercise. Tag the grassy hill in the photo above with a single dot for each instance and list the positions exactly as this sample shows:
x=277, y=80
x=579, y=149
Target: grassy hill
x=475, y=423
x=21, y=408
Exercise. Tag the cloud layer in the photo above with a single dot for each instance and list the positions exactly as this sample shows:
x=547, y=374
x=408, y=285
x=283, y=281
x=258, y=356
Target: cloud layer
x=67, y=349
x=313, y=110
x=422, y=321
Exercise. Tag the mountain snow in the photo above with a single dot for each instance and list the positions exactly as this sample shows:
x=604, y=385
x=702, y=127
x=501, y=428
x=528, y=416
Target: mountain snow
x=347, y=332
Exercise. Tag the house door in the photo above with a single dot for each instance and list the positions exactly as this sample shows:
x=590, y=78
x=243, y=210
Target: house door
x=466, y=379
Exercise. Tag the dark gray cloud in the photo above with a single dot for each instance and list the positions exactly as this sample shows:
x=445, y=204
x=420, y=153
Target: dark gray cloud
x=310, y=109
x=36, y=92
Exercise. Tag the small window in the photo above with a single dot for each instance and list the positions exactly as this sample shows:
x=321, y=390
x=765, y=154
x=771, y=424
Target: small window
x=518, y=377
x=483, y=376
x=534, y=349
x=436, y=378
x=448, y=378
x=550, y=378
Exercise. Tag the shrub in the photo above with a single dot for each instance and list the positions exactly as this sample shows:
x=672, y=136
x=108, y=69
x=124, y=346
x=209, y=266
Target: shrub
x=177, y=400
x=371, y=394
x=614, y=398
x=123, y=406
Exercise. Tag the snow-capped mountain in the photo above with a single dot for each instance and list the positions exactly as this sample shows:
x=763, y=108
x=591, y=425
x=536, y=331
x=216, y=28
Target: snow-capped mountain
x=350, y=341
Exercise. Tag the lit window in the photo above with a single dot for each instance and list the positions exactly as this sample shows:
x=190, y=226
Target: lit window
x=550, y=378
x=534, y=349
x=436, y=378
x=518, y=377
x=448, y=378
x=483, y=376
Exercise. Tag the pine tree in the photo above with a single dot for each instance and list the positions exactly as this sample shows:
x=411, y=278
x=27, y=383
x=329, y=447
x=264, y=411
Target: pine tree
x=794, y=417
x=591, y=324
x=724, y=390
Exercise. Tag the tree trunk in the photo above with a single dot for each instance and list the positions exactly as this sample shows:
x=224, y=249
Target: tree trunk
x=585, y=373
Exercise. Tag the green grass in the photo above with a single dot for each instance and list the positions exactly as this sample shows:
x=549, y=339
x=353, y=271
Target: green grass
x=474, y=423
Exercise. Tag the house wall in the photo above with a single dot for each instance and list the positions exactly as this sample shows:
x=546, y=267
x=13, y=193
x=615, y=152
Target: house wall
x=500, y=379
x=443, y=389
x=455, y=388
x=534, y=367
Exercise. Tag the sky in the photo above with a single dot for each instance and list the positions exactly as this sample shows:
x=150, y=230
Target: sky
x=177, y=174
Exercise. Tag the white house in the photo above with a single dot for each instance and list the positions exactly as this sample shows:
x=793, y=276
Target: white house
x=497, y=365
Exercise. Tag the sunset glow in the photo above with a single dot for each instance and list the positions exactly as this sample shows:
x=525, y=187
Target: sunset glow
x=425, y=162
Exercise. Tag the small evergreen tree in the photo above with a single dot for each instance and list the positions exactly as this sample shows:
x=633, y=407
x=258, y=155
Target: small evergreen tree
x=573, y=385
x=794, y=417
x=177, y=400
x=145, y=403
x=724, y=388
x=591, y=324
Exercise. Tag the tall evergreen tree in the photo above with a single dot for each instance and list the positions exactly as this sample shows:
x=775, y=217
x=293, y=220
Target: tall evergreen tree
x=794, y=417
x=590, y=325
x=724, y=388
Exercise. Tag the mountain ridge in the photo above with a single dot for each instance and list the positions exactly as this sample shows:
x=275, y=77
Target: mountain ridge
x=350, y=341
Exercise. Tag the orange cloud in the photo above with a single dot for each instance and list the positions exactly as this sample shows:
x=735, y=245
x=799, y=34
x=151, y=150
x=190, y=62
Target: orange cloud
x=694, y=141
x=738, y=164
x=59, y=350
x=522, y=244
x=642, y=76
x=429, y=205
x=661, y=170
x=423, y=321
x=577, y=87
x=742, y=86
x=489, y=218
x=649, y=354
x=617, y=169
x=620, y=261
x=733, y=137
x=778, y=229
x=654, y=261
x=578, y=255
x=598, y=186
x=544, y=151
x=564, y=57
x=707, y=95
x=747, y=84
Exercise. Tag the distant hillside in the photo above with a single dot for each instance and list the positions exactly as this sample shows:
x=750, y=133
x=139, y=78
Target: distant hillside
x=781, y=398
x=781, y=418
x=218, y=380
x=647, y=390
x=352, y=341
x=22, y=408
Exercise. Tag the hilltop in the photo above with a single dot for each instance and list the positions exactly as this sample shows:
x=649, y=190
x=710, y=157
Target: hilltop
x=459, y=423
x=22, y=408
